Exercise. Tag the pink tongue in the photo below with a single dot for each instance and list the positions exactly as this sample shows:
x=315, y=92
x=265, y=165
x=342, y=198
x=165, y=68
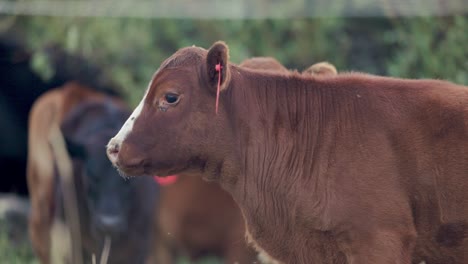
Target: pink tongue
x=164, y=181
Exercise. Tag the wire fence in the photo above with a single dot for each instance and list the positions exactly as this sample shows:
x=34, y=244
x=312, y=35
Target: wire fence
x=228, y=9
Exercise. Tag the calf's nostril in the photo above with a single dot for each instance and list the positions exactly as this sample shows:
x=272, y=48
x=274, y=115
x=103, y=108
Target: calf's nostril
x=113, y=151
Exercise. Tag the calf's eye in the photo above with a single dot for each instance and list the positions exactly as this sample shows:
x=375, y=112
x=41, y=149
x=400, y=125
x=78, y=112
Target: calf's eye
x=171, y=98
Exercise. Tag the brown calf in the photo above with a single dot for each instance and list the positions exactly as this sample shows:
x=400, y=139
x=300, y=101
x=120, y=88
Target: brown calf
x=77, y=198
x=353, y=168
x=212, y=225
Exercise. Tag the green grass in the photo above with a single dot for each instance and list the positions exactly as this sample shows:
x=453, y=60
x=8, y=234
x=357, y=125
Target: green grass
x=209, y=260
x=14, y=253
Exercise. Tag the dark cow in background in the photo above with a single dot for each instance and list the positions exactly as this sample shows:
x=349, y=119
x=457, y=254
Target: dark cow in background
x=19, y=87
x=352, y=168
x=68, y=170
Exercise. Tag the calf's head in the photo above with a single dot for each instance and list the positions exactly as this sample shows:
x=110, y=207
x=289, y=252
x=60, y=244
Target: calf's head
x=175, y=129
x=87, y=129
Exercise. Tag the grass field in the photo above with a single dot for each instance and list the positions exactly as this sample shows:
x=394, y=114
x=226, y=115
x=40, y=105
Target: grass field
x=15, y=247
x=14, y=253
x=21, y=253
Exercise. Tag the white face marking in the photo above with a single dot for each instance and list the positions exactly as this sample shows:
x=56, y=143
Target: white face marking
x=128, y=125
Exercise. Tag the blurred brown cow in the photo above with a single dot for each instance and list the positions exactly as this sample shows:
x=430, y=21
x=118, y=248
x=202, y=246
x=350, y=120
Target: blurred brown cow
x=68, y=170
x=199, y=219
x=263, y=64
x=271, y=64
x=321, y=68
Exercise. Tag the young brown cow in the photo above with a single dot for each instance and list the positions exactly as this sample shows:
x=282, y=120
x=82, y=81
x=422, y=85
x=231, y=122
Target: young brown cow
x=214, y=224
x=352, y=168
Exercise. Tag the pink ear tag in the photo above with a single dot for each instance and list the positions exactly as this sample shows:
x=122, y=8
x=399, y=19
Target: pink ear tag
x=218, y=69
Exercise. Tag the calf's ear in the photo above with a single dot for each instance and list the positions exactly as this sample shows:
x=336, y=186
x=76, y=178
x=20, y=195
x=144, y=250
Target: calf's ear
x=321, y=68
x=217, y=66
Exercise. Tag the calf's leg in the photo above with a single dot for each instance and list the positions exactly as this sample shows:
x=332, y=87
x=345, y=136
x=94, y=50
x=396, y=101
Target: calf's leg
x=41, y=215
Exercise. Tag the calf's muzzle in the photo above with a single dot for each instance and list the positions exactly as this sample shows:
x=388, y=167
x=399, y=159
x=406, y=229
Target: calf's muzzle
x=113, y=148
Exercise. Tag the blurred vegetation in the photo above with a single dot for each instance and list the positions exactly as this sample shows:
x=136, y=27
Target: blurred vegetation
x=14, y=253
x=431, y=48
x=208, y=260
x=131, y=49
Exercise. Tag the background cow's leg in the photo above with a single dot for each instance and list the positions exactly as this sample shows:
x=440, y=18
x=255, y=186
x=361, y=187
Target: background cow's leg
x=161, y=254
x=40, y=175
x=161, y=251
x=379, y=246
x=41, y=215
